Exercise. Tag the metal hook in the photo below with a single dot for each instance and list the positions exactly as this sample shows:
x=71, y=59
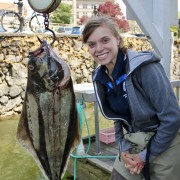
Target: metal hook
x=54, y=37
x=46, y=24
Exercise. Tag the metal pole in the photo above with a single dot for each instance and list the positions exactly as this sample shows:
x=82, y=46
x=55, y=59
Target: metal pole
x=20, y=9
x=74, y=9
x=95, y=11
x=179, y=28
x=97, y=128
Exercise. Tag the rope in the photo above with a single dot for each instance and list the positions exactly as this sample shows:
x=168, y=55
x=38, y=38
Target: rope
x=82, y=118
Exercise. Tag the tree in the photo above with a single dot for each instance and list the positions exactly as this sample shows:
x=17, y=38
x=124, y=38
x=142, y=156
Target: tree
x=115, y=12
x=62, y=14
x=83, y=20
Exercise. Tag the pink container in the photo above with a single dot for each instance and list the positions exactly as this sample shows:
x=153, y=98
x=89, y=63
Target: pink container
x=107, y=135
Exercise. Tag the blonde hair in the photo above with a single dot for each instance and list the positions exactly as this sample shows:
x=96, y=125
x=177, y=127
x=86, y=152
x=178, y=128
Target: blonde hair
x=98, y=21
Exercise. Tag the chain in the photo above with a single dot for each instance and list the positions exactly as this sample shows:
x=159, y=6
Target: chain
x=46, y=24
x=46, y=20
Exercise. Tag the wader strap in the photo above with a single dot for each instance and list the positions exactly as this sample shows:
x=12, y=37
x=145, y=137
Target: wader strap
x=147, y=166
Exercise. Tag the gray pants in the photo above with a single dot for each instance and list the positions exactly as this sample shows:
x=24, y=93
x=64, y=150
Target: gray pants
x=164, y=167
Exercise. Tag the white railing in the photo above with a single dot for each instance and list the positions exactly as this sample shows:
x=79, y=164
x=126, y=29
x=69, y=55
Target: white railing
x=176, y=86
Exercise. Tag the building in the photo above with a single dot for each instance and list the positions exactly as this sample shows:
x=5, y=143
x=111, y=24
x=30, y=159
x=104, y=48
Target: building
x=79, y=7
x=83, y=7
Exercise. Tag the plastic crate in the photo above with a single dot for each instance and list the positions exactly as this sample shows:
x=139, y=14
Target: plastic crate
x=107, y=135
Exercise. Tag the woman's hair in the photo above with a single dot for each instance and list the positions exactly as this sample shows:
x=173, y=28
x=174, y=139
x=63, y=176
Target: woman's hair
x=99, y=21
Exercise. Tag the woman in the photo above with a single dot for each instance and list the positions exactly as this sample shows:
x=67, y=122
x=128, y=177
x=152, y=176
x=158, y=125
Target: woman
x=132, y=89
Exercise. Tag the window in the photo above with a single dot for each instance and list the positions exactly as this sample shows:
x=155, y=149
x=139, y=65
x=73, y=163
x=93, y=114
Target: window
x=84, y=6
x=1, y=12
x=77, y=16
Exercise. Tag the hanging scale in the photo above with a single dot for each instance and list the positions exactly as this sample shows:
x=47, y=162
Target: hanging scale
x=45, y=7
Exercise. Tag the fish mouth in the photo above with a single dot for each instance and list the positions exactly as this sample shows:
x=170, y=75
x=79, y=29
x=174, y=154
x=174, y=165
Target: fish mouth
x=57, y=79
x=64, y=82
x=67, y=76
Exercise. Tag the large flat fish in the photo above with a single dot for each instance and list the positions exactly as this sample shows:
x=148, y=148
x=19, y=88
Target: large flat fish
x=49, y=125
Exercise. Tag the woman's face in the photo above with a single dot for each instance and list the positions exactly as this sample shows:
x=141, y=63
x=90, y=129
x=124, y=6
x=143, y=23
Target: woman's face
x=103, y=46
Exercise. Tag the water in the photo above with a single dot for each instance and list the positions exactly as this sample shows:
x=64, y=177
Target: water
x=15, y=162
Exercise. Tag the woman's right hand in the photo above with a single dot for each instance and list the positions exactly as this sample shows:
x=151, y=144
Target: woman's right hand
x=132, y=162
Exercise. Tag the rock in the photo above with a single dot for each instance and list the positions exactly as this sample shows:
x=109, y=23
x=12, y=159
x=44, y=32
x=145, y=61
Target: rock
x=14, y=49
x=11, y=58
x=10, y=113
x=5, y=44
x=78, y=45
x=85, y=72
x=15, y=91
x=23, y=94
x=10, y=80
x=4, y=88
x=12, y=103
x=16, y=42
x=86, y=55
x=19, y=58
x=74, y=64
x=19, y=70
x=1, y=93
x=1, y=57
x=89, y=79
x=79, y=79
x=14, y=52
x=73, y=76
x=25, y=61
x=4, y=99
x=18, y=109
x=78, y=72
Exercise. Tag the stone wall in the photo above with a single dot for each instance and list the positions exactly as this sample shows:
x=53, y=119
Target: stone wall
x=14, y=50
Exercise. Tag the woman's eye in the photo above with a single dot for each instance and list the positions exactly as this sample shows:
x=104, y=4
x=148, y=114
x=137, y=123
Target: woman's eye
x=40, y=60
x=105, y=41
x=91, y=45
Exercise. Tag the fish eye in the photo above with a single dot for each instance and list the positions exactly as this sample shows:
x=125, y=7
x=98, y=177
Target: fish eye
x=31, y=67
x=39, y=60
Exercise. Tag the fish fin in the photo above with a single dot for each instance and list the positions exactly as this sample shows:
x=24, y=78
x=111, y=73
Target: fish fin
x=24, y=139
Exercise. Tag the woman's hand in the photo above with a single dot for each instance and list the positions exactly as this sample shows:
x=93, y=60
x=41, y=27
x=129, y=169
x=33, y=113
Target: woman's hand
x=132, y=162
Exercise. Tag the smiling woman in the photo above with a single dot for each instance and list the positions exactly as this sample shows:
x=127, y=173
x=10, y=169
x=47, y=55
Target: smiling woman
x=123, y=84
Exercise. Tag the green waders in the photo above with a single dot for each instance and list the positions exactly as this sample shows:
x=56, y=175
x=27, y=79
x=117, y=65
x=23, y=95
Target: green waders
x=164, y=167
